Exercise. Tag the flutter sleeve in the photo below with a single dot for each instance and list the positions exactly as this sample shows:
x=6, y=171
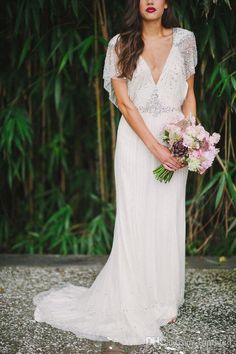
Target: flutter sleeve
x=110, y=70
x=189, y=50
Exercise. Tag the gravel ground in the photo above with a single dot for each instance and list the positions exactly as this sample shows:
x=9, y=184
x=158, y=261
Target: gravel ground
x=206, y=324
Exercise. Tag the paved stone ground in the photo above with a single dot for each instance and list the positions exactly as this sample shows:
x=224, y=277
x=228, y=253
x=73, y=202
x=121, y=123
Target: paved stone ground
x=206, y=324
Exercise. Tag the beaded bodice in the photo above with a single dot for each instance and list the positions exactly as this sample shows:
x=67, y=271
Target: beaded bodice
x=168, y=94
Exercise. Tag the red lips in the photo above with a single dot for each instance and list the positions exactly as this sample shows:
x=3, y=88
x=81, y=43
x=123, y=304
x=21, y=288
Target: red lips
x=150, y=9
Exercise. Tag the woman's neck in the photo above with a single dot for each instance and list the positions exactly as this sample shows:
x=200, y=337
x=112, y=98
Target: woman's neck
x=153, y=30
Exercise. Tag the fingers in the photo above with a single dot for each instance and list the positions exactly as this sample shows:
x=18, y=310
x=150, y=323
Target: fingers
x=175, y=162
x=168, y=167
x=173, y=165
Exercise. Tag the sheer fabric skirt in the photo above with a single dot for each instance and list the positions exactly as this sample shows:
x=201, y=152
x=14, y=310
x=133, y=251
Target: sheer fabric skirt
x=141, y=286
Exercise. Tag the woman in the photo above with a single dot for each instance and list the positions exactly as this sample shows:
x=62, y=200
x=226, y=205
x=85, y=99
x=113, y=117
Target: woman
x=149, y=74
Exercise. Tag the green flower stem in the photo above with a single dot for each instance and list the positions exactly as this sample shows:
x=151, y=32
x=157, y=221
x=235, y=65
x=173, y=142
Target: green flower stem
x=162, y=174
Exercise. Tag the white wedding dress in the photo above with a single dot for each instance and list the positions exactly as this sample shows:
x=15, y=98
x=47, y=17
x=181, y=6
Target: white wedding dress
x=141, y=286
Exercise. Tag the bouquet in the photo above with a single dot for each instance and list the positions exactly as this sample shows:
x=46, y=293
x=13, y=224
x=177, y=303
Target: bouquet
x=191, y=144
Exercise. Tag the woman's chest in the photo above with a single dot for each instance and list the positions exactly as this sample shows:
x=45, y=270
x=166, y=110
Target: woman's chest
x=171, y=85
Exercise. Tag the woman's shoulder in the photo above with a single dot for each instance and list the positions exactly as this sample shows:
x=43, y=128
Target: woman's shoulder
x=182, y=30
x=184, y=34
x=113, y=39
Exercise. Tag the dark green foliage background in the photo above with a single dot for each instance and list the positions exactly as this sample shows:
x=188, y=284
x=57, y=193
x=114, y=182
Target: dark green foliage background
x=50, y=192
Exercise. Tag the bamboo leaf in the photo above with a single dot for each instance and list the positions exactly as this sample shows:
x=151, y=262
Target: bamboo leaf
x=211, y=183
x=74, y=4
x=57, y=92
x=25, y=52
x=223, y=32
x=233, y=81
x=63, y=62
x=84, y=46
x=233, y=246
x=232, y=225
x=231, y=188
x=213, y=76
x=220, y=190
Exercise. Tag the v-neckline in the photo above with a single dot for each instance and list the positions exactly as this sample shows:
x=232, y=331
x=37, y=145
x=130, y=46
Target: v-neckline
x=166, y=61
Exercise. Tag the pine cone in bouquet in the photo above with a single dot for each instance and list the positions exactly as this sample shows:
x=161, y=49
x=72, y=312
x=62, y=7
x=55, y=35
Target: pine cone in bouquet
x=179, y=149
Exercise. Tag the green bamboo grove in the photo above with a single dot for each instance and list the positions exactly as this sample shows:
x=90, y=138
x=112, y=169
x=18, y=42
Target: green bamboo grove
x=58, y=128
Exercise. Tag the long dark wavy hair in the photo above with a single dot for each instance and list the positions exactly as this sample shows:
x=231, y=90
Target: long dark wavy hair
x=130, y=44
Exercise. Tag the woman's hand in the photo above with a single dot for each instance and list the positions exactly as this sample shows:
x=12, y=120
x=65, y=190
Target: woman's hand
x=164, y=155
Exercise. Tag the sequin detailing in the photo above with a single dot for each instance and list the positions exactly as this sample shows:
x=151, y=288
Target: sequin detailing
x=110, y=69
x=187, y=47
x=155, y=106
x=172, y=84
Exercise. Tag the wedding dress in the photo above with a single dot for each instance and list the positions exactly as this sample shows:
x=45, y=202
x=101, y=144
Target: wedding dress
x=141, y=286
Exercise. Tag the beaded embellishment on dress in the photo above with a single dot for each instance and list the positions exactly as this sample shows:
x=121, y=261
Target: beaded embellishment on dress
x=155, y=106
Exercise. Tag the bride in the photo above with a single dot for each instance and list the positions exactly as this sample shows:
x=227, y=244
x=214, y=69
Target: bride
x=149, y=74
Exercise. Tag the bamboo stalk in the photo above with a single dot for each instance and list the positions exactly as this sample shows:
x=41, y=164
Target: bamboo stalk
x=102, y=182
x=29, y=183
x=104, y=29
x=43, y=128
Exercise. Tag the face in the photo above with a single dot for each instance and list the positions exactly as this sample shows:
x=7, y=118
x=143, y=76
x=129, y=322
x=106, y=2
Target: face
x=152, y=9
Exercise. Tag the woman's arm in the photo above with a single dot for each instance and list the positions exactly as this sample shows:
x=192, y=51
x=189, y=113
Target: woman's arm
x=189, y=105
x=136, y=122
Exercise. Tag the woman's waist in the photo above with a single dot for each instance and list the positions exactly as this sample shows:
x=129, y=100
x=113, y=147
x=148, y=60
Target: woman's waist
x=158, y=111
x=166, y=115
x=155, y=124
